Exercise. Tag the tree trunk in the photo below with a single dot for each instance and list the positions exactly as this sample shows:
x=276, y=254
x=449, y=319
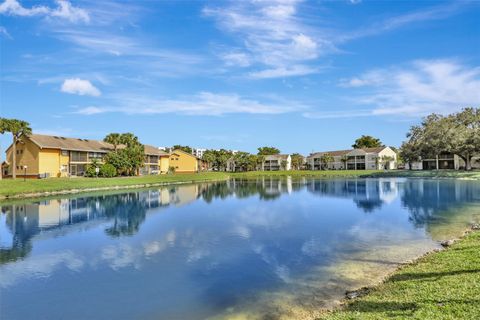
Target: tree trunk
x=14, y=158
x=468, y=163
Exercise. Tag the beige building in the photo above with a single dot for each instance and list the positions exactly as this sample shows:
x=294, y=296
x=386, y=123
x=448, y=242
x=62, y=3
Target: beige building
x=354, y=159
x=277, y=162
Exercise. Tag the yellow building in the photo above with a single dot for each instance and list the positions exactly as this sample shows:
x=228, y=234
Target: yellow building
x=184, y=162
x=42, y=156
x=156, y=161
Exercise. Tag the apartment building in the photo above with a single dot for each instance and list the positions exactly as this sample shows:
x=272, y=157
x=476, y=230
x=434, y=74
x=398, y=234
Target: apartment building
x=354, y=159
x=276, y=162
x=184, y=162
x=156, y=161
x=198, y=152
x=443, y=161
x=43, y=156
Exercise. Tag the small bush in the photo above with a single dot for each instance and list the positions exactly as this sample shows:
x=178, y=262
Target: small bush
x=90, y=172
x=108, y=171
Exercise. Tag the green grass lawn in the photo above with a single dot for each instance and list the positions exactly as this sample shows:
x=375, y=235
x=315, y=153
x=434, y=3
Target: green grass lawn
x=430, y=174
x=9, y=187
x=441, y=285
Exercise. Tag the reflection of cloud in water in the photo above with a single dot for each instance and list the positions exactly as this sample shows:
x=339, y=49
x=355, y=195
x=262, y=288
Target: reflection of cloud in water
x=244, y=257
x=41, y=266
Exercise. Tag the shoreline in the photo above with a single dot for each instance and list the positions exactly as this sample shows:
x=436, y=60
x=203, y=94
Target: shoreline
x=356, y=305
x=52, y=187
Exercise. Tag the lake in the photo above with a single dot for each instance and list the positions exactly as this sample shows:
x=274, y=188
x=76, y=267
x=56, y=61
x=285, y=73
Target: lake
x=268, y=248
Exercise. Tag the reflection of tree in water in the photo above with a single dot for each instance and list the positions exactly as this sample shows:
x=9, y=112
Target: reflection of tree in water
x=431, y=200
x=367, y=194
x=128, y=212
x=22, y=232
x=369, y=205
x=266, y=189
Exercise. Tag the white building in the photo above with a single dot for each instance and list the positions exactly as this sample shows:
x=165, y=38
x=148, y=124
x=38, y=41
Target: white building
x=276, y=162
x=355, y=159
x=198, y=152
x=443, y=161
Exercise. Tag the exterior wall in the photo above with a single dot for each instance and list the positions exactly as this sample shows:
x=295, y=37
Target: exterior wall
x=164, y=164
x=64, y=164
x=28, y=154
x=389, y=153
x=274, y=163
x=49, y=162
x=358, y=159
x=183, y=162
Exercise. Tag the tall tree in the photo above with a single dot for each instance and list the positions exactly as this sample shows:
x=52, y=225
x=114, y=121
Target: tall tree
x=129, y=158
x=3, y=129
x=114, y=139
x=367, y=142
x=326, y=159
x=17, y=128
x=344, y=160
x=297, y=161
x=465, y=140
x=187, y=149
x=266, y=151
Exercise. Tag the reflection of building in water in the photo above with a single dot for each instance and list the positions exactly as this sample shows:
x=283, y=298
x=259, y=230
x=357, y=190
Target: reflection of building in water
x=368, y=194
x=126, y=211
x=429, y=200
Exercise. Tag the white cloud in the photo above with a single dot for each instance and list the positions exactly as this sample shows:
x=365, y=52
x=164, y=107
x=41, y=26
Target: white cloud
x=432, y=13
x=422, y=87
x=238, y=59
x=80, y=87
x=295, y=70
x=4, y=32
x=90, y=110
x=373, y=77
x=272, y=36
x=64, y=10
x=203, y=103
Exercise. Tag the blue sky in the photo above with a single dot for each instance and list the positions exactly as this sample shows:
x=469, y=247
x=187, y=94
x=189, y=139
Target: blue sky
x=299, y=75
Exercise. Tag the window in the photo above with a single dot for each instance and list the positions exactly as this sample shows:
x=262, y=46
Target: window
x=78, y=156
x=64, y=153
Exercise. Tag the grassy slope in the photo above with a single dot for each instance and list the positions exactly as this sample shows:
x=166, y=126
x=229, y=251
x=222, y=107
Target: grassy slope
x=306, y=173
x=443, y=285
x=10, y=187
x=430, y=174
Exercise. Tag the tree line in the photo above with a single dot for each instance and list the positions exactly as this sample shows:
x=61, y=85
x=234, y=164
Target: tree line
x=457, y=133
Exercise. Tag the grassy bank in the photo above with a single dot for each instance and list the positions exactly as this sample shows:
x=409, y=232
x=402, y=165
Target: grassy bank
x=475, y=175
x=31, y=187
x=9, y=187
x=441, y=285
x=309, y=173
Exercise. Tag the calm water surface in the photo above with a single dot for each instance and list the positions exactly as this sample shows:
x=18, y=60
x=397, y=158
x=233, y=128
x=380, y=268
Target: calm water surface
x=267, y=248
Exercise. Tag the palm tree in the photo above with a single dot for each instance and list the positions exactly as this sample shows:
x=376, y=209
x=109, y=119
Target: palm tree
x=325, y=159
x=3, y=128
x=114, y=139
x=17, y=128
x=386, y=160
x=344, y=160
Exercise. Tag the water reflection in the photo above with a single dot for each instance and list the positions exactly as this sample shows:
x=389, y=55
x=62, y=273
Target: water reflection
x=239, y=248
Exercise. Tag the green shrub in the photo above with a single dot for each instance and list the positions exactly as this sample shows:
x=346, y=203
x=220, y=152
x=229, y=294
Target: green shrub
x=107, y=170
x=90, y=172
